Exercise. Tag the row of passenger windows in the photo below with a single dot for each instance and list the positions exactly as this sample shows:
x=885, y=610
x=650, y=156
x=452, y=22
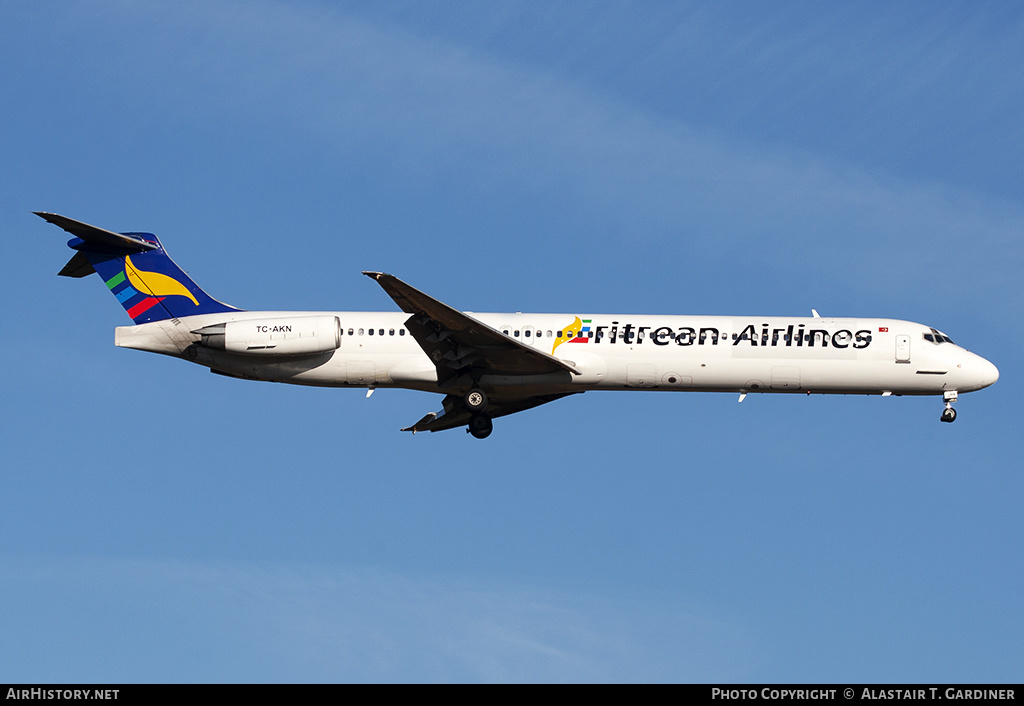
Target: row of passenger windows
x=374, y=332
x=540, y=334
x=936, y=338
x=645, y=334
x=401, y=332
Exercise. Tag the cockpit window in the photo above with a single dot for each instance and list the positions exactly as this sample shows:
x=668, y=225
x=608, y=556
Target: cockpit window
x=937, y=337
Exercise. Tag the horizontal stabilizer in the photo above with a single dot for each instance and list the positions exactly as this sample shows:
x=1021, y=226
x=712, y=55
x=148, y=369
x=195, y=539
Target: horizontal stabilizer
x=96, y=236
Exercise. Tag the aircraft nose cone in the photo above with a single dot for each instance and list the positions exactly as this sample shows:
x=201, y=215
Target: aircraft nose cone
x=989, y=373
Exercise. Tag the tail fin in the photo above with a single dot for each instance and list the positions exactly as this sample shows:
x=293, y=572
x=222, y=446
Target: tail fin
x=136, y=269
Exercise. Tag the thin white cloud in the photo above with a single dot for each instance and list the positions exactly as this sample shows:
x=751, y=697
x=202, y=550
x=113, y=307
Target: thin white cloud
x=632, y=177
x=299, y=623
x=423, y=105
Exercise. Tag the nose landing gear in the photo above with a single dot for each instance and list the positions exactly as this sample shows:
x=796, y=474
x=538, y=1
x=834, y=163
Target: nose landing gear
x=948, y=414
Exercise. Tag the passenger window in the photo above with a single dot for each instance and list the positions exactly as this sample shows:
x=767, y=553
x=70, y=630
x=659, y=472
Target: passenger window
x=391, y=332
x=360, y=332
x=371, y=331
x=351, y=332
x=401, y=332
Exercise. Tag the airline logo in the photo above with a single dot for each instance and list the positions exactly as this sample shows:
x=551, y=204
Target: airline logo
x=576, y=332
x=139, y=290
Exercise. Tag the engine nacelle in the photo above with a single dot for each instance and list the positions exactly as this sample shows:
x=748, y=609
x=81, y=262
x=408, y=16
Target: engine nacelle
x=293, y=335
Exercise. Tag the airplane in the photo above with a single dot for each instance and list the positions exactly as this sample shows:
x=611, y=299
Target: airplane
x=492, y=365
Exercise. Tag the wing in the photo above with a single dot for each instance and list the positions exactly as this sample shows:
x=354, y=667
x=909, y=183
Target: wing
x=457, y=343
x=465, y=349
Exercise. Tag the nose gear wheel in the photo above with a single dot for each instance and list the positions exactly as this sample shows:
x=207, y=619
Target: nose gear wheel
x=948, y=414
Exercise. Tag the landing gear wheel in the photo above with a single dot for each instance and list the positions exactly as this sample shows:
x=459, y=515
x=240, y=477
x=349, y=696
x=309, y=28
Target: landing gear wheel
x=480, y=426
x=476, y=400
x=948, y=414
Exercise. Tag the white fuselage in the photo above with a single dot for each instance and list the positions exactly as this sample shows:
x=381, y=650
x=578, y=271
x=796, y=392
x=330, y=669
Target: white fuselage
x=612, y=352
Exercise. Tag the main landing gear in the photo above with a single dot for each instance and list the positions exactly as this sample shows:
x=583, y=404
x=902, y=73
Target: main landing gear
x=948, y=414
x=480, y=425
x=476, y=400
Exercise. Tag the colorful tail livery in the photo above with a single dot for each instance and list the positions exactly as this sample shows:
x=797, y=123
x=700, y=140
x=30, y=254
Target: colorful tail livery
x=137, y=271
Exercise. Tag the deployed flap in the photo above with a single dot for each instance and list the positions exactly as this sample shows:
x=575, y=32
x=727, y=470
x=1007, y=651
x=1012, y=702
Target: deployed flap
x=96, y=236
x=455, y=414
x=455, y=341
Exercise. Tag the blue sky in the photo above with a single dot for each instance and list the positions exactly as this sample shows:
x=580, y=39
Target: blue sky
x=159, y=523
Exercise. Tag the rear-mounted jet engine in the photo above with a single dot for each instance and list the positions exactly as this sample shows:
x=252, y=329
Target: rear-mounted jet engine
x=295, y=335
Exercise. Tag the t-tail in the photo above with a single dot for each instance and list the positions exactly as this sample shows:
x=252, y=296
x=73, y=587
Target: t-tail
x=137, y=271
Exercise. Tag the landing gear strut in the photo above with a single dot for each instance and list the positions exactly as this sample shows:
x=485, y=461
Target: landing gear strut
x=949, y=414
